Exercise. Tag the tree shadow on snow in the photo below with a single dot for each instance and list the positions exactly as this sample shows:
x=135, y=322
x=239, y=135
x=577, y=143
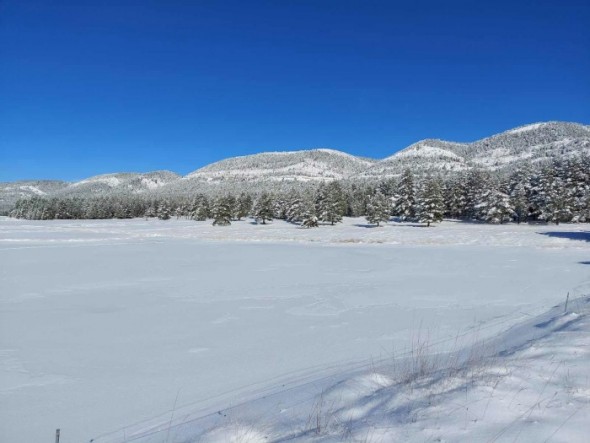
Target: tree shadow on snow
x=413, y=225
x=583, y=236
x=360, y=225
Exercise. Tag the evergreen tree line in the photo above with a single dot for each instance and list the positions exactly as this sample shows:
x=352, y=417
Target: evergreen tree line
x=556, y=192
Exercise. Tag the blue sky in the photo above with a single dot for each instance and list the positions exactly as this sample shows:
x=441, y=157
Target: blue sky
x=91, y=87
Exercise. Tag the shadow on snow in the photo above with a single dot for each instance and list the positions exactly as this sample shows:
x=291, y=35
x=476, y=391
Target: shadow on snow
x=583, y=236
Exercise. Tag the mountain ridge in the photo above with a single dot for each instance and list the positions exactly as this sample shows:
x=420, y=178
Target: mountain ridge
x=534, y=142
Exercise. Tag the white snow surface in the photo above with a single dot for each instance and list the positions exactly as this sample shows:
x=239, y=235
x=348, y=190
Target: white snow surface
x=526, y=128
x=427, y=152
x=33, y=189
x=107, y=179
x=104, y=324
x=150, y=183
x=304, y=166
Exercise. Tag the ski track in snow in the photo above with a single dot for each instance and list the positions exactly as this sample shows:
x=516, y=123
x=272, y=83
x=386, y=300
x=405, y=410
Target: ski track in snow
x=104, y=323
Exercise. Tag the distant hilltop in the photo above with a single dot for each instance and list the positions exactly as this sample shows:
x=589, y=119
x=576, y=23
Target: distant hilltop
x=534, y=143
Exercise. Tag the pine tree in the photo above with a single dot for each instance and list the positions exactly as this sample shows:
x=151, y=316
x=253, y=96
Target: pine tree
x=455, y=193
x=232, y=203
x=577, y=178
x=495, y=207
x=243, y=206
x=179, y=212
x=478, y=183
x=405, y=202
x=200, y=208
x=221, y=212
x=551, y=196
x=307, y=212
x=330, y=203
x=388, y=187
x=558, y=204
x=163, y=210
x=358, y=197
x=519, y=203
x=263, y=208
x=430, y=203
x=378, y=208
x=150, y=211
x=295, y=207
x=310, y=221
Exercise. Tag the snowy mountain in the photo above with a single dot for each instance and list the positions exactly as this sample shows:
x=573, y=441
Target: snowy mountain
x=270, y=172
x=10, y=192
x=106, y=184
x=422, y=157
x=121, y=183
x=535, y=143
x=296, y=166
x=280, y=171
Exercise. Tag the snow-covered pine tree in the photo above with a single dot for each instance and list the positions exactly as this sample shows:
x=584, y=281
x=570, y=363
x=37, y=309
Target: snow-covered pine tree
x=478, y=183
x=263, y=209
x=295, y=207
x=330, y=202
x=280, y=206
x=537, y=194
x=455, y=192
x=309, y=218
x=405, y=201
x=233, y=204
x=550, y=196
x=150, y=212
x=243, y=206
x=221, y=211
x=358, y=196
x=378, y=208
x=581, y=177
x=585, y=209
x=577, y=178
x=179, y=211
x=519, y=203
x=494, y=207
x=430, y=202
x=122, y=210
x=388, y=187
x=200, y=208
x=310, y=221
x=163, y=211
x=62, y=212
x=558, y=207
x=307, y=212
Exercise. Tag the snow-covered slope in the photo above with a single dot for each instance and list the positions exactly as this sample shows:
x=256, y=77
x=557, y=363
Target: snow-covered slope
x=10, y=192
x=536, y=142
x=303, y=166
x=422, y=157
x=127, y=182
x=529, y=383
x=279, y=171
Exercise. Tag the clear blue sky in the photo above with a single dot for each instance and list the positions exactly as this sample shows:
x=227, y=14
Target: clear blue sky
x=90, y=87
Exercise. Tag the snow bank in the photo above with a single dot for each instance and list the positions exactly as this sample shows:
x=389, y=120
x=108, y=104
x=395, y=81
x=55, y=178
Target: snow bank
x=527, y=384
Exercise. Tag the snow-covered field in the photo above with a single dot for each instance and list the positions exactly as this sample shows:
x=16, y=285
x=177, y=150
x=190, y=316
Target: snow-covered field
x=104, y=324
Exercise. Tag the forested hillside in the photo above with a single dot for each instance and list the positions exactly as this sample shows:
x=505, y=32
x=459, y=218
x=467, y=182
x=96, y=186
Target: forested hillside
x=538, y=172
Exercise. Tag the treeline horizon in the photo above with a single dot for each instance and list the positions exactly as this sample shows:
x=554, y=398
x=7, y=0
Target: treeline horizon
x=557, y=192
